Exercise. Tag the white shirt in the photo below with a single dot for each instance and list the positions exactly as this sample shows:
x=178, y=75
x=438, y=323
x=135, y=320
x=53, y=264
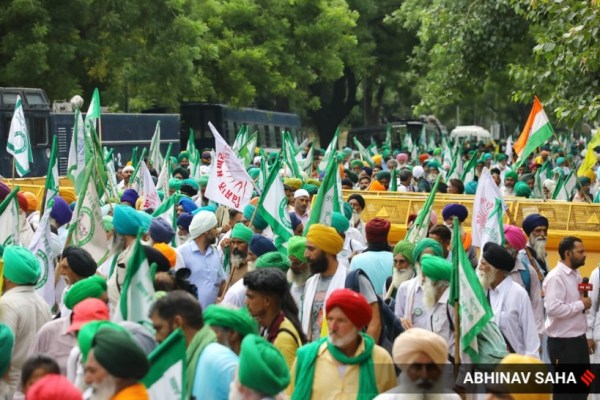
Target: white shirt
x=350, y=246
x=236, y=294
x=592, y=315
x=409, y=303
x=514, y=316
x=535, y=292
x=439, y=323
x=506, y=191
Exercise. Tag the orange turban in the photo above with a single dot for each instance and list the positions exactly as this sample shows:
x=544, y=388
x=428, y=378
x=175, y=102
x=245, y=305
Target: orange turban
x=376, y=186
x=32, y=201
x=325, y=238
x=68, y=195
x=166, y=251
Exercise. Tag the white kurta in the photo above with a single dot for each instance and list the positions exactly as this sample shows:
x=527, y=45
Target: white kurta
x=409, y=303
x=535, y=292
x=514, y=316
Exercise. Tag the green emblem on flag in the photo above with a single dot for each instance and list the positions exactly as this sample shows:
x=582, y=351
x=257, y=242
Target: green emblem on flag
x=86, y=227
x=282, y=214
x=44, y=277
x=20, y=144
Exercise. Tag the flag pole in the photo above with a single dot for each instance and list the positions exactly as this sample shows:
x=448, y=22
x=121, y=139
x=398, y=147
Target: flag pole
x=456, y=340
x=13, y=171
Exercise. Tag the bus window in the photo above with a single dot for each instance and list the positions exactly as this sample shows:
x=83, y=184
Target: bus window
x=39, y=131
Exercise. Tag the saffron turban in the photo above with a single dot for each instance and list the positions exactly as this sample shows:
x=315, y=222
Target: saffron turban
x=377, y=230
x=242, y=232
x=377, y=187
x=427, y=243
x=7, y=342
x=187, y=204
x=325, y=238
x=273, y=259
x=262, y=367
x=61, y=211
x=532, y=221
x=130, y=196
x=353, y=304
x=238, y=320
x=167, y=251
x=20, y=265
x=260, y=245
x=119, y=354
x=413, y=342
x=296, y=247
x=515, y=237
x=201, y=223
x=498, y=257
x=436, y=268
x=161, y=231
x=339, y=222
x=22, y=200
x=92, y=287
x=53, y=386
x=405, y=248
x=455, y=210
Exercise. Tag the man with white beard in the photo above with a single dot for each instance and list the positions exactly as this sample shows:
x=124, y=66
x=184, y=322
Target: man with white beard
x=239, y=263
x=114, y=366
x=299, y=272
x=510, y=303
x=404, y=268
x=423, y=358
x=358, y=205
x=7, y=342
x=535, y=227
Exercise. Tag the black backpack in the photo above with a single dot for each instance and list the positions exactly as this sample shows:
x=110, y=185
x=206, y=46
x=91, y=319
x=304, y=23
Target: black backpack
x=390, y=324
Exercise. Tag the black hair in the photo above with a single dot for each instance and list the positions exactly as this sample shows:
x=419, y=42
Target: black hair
x=442, y=231
x=458, y=184
x=35, y=362
x=567, y=244
x=179, y=302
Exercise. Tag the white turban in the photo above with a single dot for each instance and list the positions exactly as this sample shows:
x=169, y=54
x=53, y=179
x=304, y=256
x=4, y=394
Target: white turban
x=201, y=223
x=301, y=193
x=550, y=185
x=418, y=171
x=128, y=168
x=415, y=341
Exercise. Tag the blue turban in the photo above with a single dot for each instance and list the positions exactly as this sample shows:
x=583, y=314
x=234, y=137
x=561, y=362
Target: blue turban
x=128, y=221
x=130, y=196
x=61, y=211
x=260, y=245
x=161, y=231
x=455, y=210
x=427, y=243
x=187, y=204
x=471, y=187
x=295, y=220
x=184, y=221
x=532, y=221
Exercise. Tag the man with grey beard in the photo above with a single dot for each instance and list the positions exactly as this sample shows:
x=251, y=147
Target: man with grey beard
x=535, y=227
x=239, y=264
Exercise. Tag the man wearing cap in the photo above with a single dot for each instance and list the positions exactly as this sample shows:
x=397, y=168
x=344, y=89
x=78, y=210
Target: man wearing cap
x=510, y=303
x=301, y=203
x=201, y=256
x=7, y=343
x=523, y=275
x=75, y=264
x=510, y=178
x=179, y=309
x=262, y=373
x=535, y=227
x=423, y=358
x=115, y=364
x=267, y=299
x=299, y=272
x=367, y=367
x=377, y=260
x=23, y=310
x=410, y=308
x=218, y=361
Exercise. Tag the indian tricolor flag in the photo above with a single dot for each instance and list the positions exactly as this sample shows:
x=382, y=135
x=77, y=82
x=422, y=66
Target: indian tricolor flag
x=536, y=132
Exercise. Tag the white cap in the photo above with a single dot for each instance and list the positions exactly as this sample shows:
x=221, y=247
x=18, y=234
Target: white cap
x=301, y=193
x=418, y=171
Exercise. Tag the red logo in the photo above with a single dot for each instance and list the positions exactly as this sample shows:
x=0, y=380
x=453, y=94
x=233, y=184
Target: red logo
x=588, y=377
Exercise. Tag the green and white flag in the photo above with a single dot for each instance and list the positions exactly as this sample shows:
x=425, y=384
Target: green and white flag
x=328, y=199
x=272, y=205
x=166, y=377
x=18, y=144
x=330, y=152
x=474, y=311
x=288, y=154
x=137, y=294
x=307, y=162
x=241, y=137
x=9, y=219
x=246, y=152
x=485, y=198
x=52, y=179
x=388, y=137
x=162, y=183
x=86, y=228
x=421, y=226
x=40, y=247
x=468, y=173
x=493, y=230
x=155, y=158
x=76, y=164
x=364, y=153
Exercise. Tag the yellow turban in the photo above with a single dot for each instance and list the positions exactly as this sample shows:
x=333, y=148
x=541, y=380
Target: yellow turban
x=67, y=194
x=377, y=159
x=294, y=183
x=414, y=341
x=522, y=363
x=325, y=238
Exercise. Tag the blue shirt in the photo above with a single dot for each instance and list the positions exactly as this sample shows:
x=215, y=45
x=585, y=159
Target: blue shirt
x=377, y=265
x=207, y=270
x=214, y=372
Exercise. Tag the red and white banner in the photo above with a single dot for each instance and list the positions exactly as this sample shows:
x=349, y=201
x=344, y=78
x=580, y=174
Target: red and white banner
x=229, y=183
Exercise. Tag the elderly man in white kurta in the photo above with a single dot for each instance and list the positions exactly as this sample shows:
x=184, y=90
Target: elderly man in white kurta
x=510, y=303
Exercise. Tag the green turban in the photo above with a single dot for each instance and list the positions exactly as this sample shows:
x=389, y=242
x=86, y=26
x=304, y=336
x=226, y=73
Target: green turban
x=175, y=183
x=254, y=173
x=242, y=232
x=434, y=164
x=437, y=151
x=203, y=181
x=7, y=342
x=405, y=248
x=347, y=150
x=348, y=210
x=258, y=221
x=262, y=367
x=522, y=189
x=502, y=157
x=383, y=175
x=310, y=188
x=583, y=180
x=88, y=331
x=92, y=287
x=107, y=221
x=173, y=160
x=161, y=195
x=427, y=243
x=273, y=259
x=191, y=182
x=238, y=320
x=183, y=155
x=21, y=266
x=119, y=354
x=357, y=164
x=486, y=156
x=512, y=175
x=436, y=268
x=296, y=247
x=312, y=181
x=128, y=221
x=352, y=176
x=339, y=222
x=294, y=183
